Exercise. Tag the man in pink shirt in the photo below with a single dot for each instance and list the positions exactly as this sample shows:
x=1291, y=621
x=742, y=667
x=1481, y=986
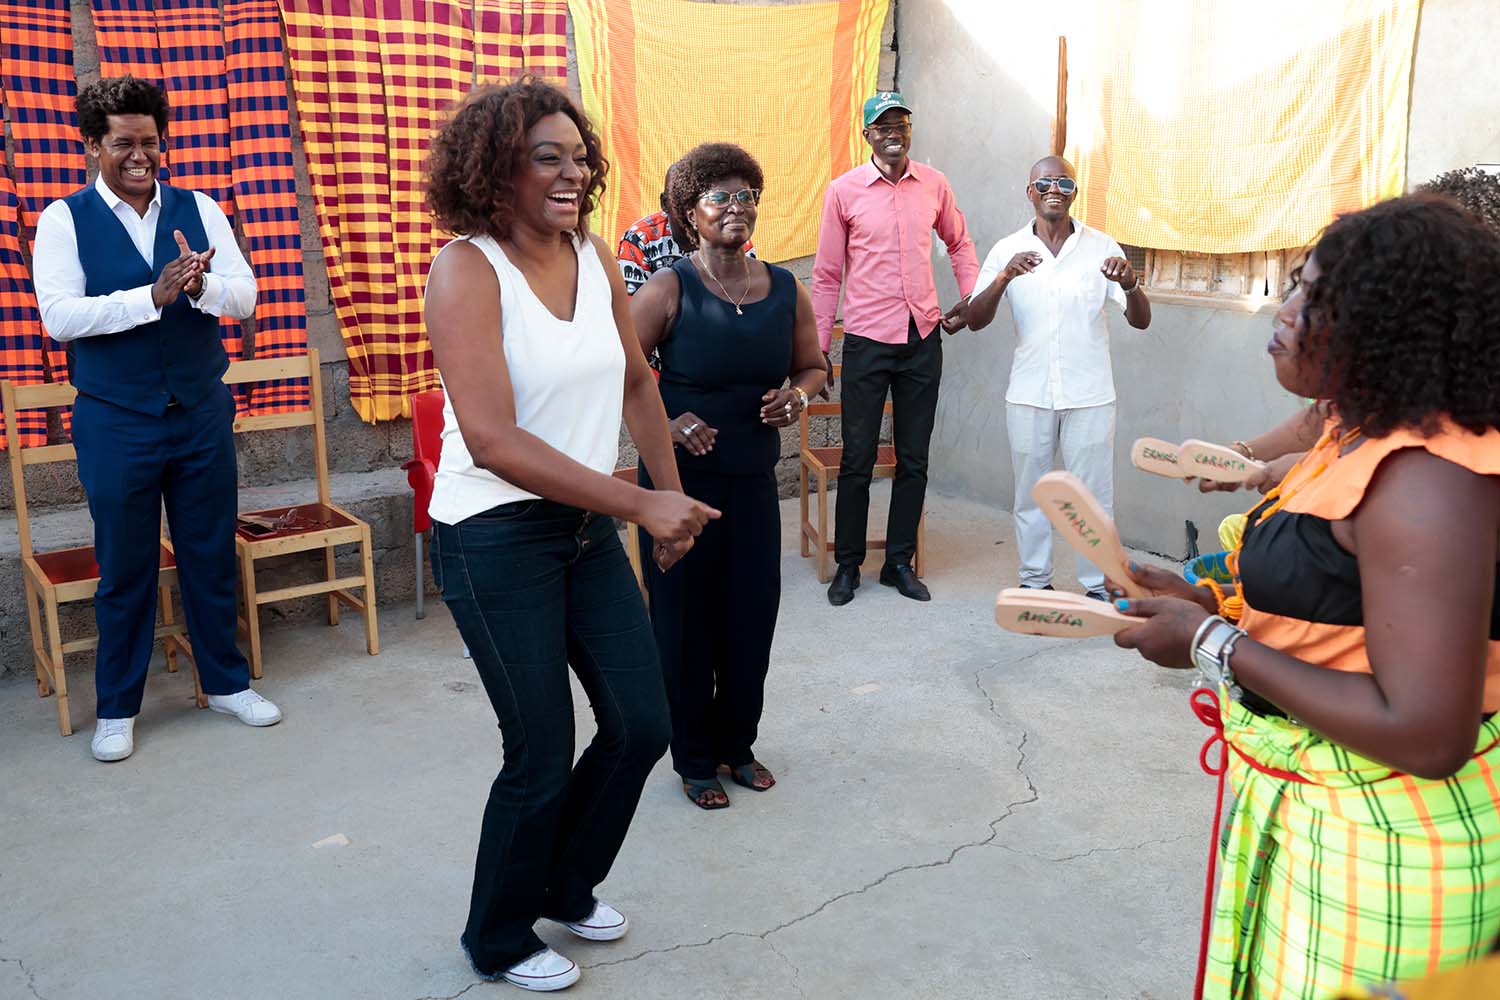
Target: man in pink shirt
x=876, y=241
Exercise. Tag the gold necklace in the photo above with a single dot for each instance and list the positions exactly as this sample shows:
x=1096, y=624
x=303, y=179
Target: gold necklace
x=703, y=263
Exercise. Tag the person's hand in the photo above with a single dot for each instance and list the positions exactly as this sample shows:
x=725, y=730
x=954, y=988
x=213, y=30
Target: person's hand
x=783, y=407
x=673, y=517
x=1118, y=270
x=1023, y=263
x=1165, y=635
x=957, y=318
x=1164, y=584
x=194, y=287
x=175, y=279
x=690, y=432
x=667, y=554
x=827, y=391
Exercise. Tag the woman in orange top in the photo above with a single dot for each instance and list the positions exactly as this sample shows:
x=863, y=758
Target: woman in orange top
x=1357, y=695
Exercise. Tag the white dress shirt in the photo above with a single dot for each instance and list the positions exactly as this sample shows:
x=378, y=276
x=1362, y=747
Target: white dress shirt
x=67, y=313
x=1062, y=337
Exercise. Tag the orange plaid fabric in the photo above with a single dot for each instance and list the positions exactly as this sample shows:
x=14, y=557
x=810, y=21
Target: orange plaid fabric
x=1220, y=132
x=265, y=192
x=20, y=326
x=634, y=69
x=36, y=73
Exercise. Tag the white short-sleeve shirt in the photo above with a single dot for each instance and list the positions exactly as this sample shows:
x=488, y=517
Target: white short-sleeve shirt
x=1062, y=337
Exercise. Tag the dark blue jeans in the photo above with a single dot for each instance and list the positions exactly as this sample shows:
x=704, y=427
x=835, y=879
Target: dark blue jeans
x=536, y=587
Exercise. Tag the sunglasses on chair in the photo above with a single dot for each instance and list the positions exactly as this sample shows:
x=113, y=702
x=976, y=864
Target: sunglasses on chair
x=1064, y=185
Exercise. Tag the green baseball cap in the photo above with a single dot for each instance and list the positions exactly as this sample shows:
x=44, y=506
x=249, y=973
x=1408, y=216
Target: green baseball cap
x=882, y=102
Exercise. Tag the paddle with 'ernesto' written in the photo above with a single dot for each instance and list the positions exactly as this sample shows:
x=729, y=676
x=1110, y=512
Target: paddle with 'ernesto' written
x=1214, y=461
x=1043, y=612
x=1160, y=457
x=1078, y=515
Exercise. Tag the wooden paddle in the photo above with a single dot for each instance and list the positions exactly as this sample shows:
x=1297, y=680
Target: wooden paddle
x=1157, y=456
x=1214, y=461
x=1033, y=612
x=1075, y=512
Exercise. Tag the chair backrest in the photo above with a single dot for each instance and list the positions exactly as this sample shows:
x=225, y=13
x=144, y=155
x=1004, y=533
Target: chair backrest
x=31, y=397
x=274, y=369
x=427, y=425
x=828, y=409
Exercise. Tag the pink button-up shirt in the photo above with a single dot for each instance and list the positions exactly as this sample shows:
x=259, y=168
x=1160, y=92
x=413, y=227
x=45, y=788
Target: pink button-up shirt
x=876, y=240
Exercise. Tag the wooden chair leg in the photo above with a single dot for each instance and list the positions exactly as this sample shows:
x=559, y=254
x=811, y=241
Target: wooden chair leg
x=169, y=643
x=366, y=550
x=38, y=656
x=822, y=526
x=252, y=615
x=333, y=601
x=802, y=524
x=59, y=673
x=633, y=554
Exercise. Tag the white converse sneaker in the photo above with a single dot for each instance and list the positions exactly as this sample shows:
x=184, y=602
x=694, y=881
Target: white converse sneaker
x=543, y=972
x=114, y=739
x=247, y=706
x=604, y=923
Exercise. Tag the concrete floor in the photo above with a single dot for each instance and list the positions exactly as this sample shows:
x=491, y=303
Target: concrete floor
x=962, y=812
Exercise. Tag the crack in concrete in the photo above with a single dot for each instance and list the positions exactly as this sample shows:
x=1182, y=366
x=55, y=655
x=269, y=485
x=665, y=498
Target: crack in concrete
x=455, y=996
x=1119, y=849
x=796, y=972
x=1033, y=795
x=30, y=976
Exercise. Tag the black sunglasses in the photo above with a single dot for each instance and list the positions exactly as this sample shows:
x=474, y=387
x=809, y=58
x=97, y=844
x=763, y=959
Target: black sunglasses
x=1065, y=185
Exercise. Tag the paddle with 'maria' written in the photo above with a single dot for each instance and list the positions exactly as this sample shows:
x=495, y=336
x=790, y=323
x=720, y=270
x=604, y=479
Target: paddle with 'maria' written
x=1078, y=515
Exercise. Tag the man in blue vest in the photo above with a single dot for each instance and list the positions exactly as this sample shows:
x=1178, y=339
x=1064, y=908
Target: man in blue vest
x=117, y=278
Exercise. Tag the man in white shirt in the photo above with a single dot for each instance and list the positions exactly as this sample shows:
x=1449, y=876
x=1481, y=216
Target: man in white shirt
x=1058, y=274
x=117, y=279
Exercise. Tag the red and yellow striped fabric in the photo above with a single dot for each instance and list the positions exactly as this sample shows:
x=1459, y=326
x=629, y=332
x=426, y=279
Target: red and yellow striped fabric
x=499, y=39
x=36, y=72
x=545, y=39
x=20, y=326
x=804, y=129
x=265, y=191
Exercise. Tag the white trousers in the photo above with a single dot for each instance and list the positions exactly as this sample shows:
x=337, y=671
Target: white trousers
x=1086, y=437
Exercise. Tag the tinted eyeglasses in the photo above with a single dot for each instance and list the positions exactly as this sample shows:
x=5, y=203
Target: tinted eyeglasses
x=1064, y=185
x=718, y=199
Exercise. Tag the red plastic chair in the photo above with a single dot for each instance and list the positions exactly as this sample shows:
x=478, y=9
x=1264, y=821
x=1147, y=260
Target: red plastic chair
x=427, y=446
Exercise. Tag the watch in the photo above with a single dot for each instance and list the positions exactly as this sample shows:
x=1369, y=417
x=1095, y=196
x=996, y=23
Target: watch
x=1212, y=646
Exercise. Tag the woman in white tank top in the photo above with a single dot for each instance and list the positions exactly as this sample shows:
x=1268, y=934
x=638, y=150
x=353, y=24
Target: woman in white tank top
x=533, y=341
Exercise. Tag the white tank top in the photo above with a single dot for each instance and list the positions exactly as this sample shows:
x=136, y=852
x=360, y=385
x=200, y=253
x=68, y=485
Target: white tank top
x=568, y=380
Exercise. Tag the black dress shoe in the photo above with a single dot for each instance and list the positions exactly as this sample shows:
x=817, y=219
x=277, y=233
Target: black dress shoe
x=904, y=579
x=1032, y=586
x=845, y=583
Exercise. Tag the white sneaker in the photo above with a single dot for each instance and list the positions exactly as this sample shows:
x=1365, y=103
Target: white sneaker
x=543, y=972
x=247, y=706
x=604, y=923
x=114, y=739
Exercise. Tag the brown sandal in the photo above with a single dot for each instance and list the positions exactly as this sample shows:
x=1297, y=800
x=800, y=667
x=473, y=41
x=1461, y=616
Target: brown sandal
x=707, y=794
x=754, y=776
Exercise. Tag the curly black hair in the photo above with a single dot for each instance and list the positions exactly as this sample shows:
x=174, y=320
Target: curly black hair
x=119, y=95
x=1406, y=315
x=697, y=172
x=1473, y=189
x=483, y=141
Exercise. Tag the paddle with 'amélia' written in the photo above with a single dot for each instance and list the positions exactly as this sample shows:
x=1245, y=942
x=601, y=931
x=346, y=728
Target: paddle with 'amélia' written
x=1214, y=461
x=1078, y=515
x=1044, y=612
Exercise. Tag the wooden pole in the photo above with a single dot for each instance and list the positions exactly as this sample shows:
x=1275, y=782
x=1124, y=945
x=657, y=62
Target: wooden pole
x=1060, y=116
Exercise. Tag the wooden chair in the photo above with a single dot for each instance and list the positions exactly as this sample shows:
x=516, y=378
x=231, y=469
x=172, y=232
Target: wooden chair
x=822, y=464
x=64, y=576
x=301, y=527
x=632, y=540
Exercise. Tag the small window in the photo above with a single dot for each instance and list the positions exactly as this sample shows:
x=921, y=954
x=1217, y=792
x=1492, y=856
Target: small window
x=1242, y=277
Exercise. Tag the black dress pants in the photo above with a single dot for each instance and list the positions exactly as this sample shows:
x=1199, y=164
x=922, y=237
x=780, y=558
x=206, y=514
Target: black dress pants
x=714, y=615
x=910, y=372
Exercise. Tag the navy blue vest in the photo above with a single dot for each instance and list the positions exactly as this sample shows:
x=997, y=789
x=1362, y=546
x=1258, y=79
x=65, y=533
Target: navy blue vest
x=177, y=357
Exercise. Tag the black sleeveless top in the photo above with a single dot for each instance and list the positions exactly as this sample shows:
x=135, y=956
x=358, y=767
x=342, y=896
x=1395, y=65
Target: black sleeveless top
x=719, y=365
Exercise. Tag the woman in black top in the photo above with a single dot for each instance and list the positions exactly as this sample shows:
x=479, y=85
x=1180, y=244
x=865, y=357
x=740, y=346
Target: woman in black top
x=732, y=332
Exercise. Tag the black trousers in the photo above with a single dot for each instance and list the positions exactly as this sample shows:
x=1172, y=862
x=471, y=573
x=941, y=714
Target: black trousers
x=911, y=373
x=714, y=615
x=535, y=588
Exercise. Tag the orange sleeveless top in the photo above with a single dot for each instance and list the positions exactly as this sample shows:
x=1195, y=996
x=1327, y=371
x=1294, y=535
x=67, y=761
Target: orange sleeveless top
x=1302, y=589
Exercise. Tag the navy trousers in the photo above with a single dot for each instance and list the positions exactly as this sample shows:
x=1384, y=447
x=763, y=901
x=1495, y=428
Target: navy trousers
x=129, y=462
